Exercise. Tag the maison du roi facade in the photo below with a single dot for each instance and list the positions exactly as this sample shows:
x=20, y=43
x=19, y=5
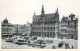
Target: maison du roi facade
x=45, y=25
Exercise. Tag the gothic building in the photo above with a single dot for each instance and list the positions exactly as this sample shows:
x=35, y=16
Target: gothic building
x=45, y=25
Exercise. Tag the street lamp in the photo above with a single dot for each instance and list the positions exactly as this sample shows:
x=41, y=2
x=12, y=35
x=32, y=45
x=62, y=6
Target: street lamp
x=16, y=30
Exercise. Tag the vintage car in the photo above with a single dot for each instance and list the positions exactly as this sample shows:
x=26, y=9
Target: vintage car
x=20, y=40
x=8, y=40
x=42, y=45
x=47, y=41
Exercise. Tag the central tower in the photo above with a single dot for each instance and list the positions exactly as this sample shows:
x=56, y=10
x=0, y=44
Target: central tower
x=42, y=11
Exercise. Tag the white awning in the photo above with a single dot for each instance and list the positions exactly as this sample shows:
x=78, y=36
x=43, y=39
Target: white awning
x=4, y=34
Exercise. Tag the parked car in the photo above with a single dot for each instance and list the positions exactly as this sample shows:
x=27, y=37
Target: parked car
x=42, y=45
x=20, y=40
x=34, y=38
x=47, y=41
x=8, y=40
x=26, y=38
x=64, y=38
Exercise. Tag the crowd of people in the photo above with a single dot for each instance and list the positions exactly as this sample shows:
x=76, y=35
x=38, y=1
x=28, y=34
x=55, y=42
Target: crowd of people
x=67, y=46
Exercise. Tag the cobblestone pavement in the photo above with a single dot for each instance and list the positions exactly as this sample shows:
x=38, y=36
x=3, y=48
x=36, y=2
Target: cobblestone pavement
x=8, y=45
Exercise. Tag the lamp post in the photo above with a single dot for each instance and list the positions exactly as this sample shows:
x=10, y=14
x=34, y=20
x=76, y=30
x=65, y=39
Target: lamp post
x=17, y=30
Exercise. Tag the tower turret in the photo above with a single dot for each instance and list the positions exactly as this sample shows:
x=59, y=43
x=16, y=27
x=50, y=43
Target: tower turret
x=42, y=11
x=34, y=13
x=57, y=13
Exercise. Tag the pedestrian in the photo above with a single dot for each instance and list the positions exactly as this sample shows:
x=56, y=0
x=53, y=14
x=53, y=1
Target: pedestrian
x=68, y=46
x=65, y=46
x=72, y=46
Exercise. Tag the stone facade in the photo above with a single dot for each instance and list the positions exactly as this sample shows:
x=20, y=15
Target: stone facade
x=22, y=29
x=69, y=27
x=7, y=29
x=45, y=25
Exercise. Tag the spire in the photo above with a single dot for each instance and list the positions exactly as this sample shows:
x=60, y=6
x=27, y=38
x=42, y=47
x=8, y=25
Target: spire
x=42, y=7
x=57, y=13
x=34, y=13
x=57, y=9
x=42, y=11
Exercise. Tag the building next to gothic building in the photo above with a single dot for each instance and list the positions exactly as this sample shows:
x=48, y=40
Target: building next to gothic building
x=69, y=27
x=7, y=29
x=45, y=25
x=28, y=31
x=22, y=29
x=63, y=26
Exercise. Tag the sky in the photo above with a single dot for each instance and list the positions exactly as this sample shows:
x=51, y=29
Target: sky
x=21, y=11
